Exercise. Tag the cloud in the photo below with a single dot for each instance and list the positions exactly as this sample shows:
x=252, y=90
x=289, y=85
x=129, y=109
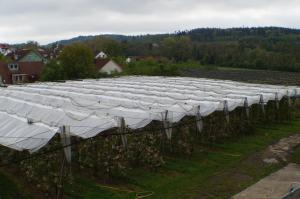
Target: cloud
x=46, y=21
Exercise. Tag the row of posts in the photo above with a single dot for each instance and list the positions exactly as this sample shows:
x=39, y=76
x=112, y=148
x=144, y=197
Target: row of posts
x=167, y=124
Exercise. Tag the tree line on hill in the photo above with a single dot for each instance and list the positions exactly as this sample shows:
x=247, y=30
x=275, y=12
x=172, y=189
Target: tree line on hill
x=258, y=48
x=269, y=48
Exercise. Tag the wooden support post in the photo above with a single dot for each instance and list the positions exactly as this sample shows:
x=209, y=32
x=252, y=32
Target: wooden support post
x=289, y=99
x=65, y=136
x=247, y=108
x=167, y=125
x=226, y=111
x=262, y=105
x=199, y=120
x=66, y=143
x=122, y=131
x=277, y=101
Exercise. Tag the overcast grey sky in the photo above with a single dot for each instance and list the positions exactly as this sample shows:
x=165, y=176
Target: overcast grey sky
x=50, y=20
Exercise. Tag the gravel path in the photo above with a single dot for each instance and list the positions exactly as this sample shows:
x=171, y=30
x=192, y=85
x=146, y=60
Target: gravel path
x=275, y=186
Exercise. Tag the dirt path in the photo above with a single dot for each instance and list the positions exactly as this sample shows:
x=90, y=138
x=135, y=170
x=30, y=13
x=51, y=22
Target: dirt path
x=280, y=151
x=279, y=183
x=275, y=186
x=250, y=170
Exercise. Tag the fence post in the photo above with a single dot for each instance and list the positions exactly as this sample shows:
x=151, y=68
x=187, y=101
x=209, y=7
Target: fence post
x=199, y=120
x=247, y=109
x=122, y=131
x=262, y=105
x=167, y=125
x=66, y=143
x=277, y=101
x=226, y=111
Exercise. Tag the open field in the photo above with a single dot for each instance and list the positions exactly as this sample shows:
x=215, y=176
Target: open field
x=247, y=75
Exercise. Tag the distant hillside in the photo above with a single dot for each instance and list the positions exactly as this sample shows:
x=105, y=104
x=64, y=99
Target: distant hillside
x=115, y=37
x=202, y=34
x=271, y=48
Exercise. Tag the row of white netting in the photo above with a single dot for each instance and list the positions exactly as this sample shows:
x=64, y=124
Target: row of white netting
x=30, y=115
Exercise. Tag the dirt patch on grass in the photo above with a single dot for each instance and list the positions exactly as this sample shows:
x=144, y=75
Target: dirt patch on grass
x=281, y=151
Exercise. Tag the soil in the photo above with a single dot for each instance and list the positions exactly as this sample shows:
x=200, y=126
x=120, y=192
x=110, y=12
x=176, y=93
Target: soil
x=280, y=151
x=251, y=76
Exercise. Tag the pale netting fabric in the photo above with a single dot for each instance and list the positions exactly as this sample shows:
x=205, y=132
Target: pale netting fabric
x=30, y=115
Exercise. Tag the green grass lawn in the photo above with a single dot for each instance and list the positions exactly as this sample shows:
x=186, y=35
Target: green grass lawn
x=215, y=172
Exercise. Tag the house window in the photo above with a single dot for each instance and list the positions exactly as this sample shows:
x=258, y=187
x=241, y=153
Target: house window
x=13, y=66
x=18, y=78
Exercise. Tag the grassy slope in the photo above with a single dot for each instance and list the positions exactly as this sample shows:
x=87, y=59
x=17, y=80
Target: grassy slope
x=216, y=172
x=10, y=189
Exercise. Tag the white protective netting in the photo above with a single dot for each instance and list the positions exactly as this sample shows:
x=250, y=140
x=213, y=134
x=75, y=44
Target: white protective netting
x=30, y=115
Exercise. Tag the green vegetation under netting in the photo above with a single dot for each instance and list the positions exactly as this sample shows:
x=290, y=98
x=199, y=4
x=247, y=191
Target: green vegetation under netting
x=216, y=165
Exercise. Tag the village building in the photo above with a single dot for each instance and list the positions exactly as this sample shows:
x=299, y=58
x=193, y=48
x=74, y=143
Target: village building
x=25, y=66
x=105, y=65
x=5, y=49
x=101, y=55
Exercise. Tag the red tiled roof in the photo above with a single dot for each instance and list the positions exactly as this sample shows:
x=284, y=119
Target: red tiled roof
x=100, y=63
x=4, y=46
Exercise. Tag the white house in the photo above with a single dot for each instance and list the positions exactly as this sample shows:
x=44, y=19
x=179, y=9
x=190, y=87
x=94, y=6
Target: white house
x=101, y=55
x=5, y=49
x=107, y=66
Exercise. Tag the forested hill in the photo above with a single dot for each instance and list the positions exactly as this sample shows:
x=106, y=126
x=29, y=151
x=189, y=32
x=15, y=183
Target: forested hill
x=260, y=48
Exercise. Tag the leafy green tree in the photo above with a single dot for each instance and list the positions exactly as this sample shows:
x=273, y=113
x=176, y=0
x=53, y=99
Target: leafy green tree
x=1, y=57
x=109, y=46
x=178, y=48
x=77, y=61
x=53, y=71
x=33, y=45
x=4, y=59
